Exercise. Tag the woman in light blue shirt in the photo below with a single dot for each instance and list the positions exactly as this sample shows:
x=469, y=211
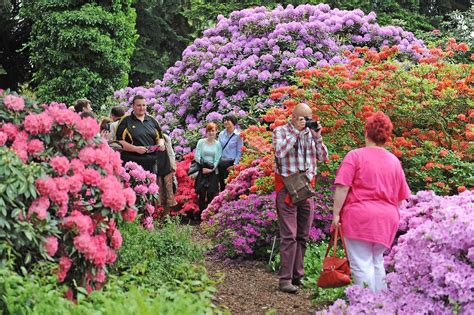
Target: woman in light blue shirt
x=231, y=144
x=208, y=154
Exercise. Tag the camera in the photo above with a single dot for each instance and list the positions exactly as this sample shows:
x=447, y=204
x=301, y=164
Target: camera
x=311, y=124
x=107, y=127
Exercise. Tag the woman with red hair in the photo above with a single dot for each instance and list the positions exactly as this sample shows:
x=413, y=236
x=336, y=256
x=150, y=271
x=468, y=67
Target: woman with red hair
x=208, y=154
x=370, y=186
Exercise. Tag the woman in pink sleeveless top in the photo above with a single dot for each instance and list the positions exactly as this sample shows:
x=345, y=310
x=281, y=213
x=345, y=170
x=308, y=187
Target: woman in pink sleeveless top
x=370, y=186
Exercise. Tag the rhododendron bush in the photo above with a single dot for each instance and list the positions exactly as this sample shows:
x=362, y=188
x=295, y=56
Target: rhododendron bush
x=432, y=265
x=242, y=220
x=79, y=196
x=232, y=67
x=430, y=104
x=185, y=195
x=146, y=190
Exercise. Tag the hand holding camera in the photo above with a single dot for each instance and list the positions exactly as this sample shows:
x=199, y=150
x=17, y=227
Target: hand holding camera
x=311, y=124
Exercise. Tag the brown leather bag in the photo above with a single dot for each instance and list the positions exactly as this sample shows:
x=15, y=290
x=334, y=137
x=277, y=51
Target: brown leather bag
x=336, y=271
x=298, y=187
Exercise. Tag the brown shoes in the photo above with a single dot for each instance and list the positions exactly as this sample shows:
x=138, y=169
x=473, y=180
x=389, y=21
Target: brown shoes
x=287, y=288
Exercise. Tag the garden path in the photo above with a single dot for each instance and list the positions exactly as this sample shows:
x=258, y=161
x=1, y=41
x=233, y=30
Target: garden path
x=247, y=287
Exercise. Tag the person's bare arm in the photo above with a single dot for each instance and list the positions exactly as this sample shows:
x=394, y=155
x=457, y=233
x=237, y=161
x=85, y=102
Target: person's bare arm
x=339, y=199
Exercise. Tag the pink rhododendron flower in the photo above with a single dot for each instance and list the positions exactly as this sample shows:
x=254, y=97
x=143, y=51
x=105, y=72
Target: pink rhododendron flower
x=87, y=127
x=110, y=182
x=139, y=174
x=39, y=207
x=100, y=250
x=111, y=256
x=83, y=223
x=20, y=145
x=113, y=199
x=153, y=188
x=91, y=177
x=16, y=103
x=65, y=264
x=34, y=147
x=99, y=276
x=140, y=189
x=3, y=138
x=132, y=166
x=87, y=155
x=148, y=223
x=75, y=183
x=64, y=116
x=43, y=185
x=51, y=245
x=60, y=164
x=38, y=123
x=129, y=215
x=11, y=130
x=102, y=157
x=130, y=196
x=77, y=166
x=150, y=209
x=116, y=240
x=59, y=196
x=62, y=210
x=126, y=177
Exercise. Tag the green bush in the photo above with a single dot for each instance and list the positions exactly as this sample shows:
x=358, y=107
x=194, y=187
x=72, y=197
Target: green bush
x=157, y=257
x=39, y=293
x=21, y=241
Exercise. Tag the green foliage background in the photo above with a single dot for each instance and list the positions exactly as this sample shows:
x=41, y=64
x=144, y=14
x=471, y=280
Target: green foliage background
x=80, y=48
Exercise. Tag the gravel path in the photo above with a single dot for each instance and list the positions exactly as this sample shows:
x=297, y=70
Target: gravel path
x=246, y=287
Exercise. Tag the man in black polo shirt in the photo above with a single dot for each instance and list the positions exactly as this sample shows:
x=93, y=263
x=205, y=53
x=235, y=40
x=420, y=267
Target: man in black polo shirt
x=141, y=138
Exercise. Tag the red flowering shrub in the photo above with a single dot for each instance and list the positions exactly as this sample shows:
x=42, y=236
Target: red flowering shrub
x=430, y=105
x=185, y=195
x=79, y=195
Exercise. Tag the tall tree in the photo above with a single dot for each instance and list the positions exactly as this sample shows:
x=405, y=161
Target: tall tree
x=164, y=33
x=80, y=48
x=14, y=33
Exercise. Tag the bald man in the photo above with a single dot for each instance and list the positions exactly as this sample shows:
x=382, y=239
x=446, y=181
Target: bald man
x=297, y=149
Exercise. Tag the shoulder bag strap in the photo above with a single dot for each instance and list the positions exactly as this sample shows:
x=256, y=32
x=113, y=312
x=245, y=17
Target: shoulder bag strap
x=228, y=141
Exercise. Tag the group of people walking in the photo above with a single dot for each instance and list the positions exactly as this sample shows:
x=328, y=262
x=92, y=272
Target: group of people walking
x=370, y=182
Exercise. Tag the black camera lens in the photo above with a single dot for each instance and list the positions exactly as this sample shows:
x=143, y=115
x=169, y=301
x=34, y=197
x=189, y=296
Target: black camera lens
x=311, y=124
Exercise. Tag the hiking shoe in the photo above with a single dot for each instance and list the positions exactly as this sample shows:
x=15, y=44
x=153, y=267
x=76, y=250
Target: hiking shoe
x=296, y=281
x=287, y=288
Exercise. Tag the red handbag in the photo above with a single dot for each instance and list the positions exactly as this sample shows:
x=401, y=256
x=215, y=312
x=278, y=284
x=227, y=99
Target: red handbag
x=336, y=271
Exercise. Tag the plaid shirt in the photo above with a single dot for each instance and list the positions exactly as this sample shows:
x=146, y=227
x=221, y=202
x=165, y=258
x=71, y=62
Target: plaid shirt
x=291, y=148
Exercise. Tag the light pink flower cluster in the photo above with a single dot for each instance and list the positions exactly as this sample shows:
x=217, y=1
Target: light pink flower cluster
x=13, y=102
x=143, y=183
